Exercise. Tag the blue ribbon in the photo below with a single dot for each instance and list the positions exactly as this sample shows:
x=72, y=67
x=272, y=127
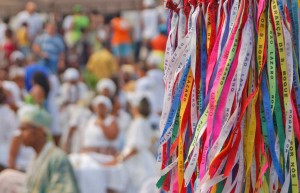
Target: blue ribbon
x=270, y=128
x=203, y=67
x=176, y=99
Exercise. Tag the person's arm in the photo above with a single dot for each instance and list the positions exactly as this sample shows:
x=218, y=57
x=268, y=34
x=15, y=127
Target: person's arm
x=38, y=50
x=61, y=61
x=14, y=151
x=124, y=157
x=67, y=145
x=111, y=132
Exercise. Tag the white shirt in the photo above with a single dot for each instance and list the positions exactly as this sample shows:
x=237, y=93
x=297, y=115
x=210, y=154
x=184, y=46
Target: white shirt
x=141, y=166
x=92, y=177
x=9, y=124
x=94, y=135
x=72, y=93
x=150, y=19
x=33, y=21
x=3, y=28
x=157, y=77
x=8, y=129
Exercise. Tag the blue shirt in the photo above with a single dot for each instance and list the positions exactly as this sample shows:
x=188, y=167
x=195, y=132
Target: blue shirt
x=53, y=46
x=30, y=71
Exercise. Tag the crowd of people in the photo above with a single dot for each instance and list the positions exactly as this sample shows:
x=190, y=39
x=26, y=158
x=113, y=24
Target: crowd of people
x=80, y=100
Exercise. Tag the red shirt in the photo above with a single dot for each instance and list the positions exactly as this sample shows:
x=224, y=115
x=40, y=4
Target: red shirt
x=9, y=48
x=159, y=42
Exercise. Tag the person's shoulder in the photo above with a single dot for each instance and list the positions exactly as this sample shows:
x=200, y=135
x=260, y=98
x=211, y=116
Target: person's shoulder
x=58, y=155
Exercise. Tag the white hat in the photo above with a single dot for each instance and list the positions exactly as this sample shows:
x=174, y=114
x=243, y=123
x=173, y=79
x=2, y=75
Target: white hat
x=149, y=3
x=102, y=100
x=71, y=74
x=106, y=83
x=16, y=55
x=36, y=116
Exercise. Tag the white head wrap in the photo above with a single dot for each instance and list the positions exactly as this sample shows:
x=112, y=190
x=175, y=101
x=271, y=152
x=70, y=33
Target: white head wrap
x=16, y=55
x=106, y=83
x=102, y=100
x=36, y=116
x=71, y=74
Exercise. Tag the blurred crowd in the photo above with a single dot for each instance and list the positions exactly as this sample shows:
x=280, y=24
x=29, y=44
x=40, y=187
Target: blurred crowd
x=80, y=100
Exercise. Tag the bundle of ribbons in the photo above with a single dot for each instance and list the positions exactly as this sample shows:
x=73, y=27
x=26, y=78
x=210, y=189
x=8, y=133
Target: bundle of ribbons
x=230, y=121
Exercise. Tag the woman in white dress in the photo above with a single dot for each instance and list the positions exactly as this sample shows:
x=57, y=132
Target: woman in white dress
x=138, y=161
x=98, y=147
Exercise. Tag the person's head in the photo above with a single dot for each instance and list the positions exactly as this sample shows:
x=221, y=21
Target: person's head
x=30, y=7
x=17, y=58
x=6, y=20
x=71, y=75
x=147, y=4
x=140, y=105
x=102, y=106
x=77, y=9
x=40, y=79
x=8, y=33
x=118, y=14
x=106, y=87
x=17, y=75
x=51, y=28
x=35, y=125
x=94, y=14
x=24, y=24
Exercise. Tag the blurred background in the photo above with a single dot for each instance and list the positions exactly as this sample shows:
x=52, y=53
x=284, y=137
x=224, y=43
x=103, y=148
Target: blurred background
x=96, y=68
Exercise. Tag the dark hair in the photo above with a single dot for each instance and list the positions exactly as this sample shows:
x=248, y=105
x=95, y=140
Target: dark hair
x=118, y=14
x=94, y=12
x=6, y=19
x=24, y=24
x=144, y=107
x=41, y=79
x=2, y=96
x=8, y=33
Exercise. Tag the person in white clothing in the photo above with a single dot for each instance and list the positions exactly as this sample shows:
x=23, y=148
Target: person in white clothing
x=138, y=161
x=30, y=17
x=77, y=118
x=123, y=119
x=150, y=20
x=98, y=143
x=72, y=90
x=156, y=76
x=92, y=175
x=13, y=155
x=101, y=129
x=8, y=126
